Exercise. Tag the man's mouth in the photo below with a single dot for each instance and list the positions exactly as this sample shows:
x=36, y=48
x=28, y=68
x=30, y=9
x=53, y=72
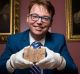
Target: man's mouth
x=38, y=27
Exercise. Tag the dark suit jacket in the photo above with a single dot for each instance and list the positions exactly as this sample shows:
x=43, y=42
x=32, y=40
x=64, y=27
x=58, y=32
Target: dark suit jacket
x=55, y=42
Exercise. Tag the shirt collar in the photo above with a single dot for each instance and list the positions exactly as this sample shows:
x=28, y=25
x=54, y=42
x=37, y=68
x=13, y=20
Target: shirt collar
x=42, y=41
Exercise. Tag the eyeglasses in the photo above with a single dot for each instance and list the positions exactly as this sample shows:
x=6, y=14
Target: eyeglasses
x=36, y=17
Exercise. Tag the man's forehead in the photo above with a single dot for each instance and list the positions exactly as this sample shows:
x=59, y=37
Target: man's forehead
x=39, y=9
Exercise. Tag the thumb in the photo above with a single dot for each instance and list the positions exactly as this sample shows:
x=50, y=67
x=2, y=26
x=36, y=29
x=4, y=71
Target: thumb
x=45, y=60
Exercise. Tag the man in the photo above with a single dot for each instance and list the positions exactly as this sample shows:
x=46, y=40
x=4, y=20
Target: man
x=57, y=59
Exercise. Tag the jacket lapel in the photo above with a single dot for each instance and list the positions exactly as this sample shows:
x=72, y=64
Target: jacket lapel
x=24, y=41
x=49, y=41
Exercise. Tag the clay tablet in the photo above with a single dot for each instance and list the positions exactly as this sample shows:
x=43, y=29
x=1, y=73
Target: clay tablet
x=34, y=55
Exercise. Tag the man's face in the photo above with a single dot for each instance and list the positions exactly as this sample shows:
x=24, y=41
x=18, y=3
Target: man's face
x=39, y=20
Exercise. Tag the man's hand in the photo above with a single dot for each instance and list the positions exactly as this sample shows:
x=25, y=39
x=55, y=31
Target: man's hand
x=53, y=60
x=17, y=61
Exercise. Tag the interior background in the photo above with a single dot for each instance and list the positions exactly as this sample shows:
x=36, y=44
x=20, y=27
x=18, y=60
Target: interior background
x=59, y=26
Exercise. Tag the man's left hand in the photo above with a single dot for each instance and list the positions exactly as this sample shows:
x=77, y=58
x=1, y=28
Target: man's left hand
x=52, y=60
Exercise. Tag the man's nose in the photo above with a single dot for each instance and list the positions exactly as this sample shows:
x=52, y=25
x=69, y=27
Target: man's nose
x=39, y=20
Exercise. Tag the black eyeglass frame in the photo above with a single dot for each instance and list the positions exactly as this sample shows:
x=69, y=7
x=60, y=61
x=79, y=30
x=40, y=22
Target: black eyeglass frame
x=36, y=17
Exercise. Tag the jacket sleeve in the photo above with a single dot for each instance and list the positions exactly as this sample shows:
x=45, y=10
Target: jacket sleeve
x=71, y=67
x=5, y=56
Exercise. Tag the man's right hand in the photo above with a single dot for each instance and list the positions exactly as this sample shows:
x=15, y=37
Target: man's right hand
x=17, y=61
